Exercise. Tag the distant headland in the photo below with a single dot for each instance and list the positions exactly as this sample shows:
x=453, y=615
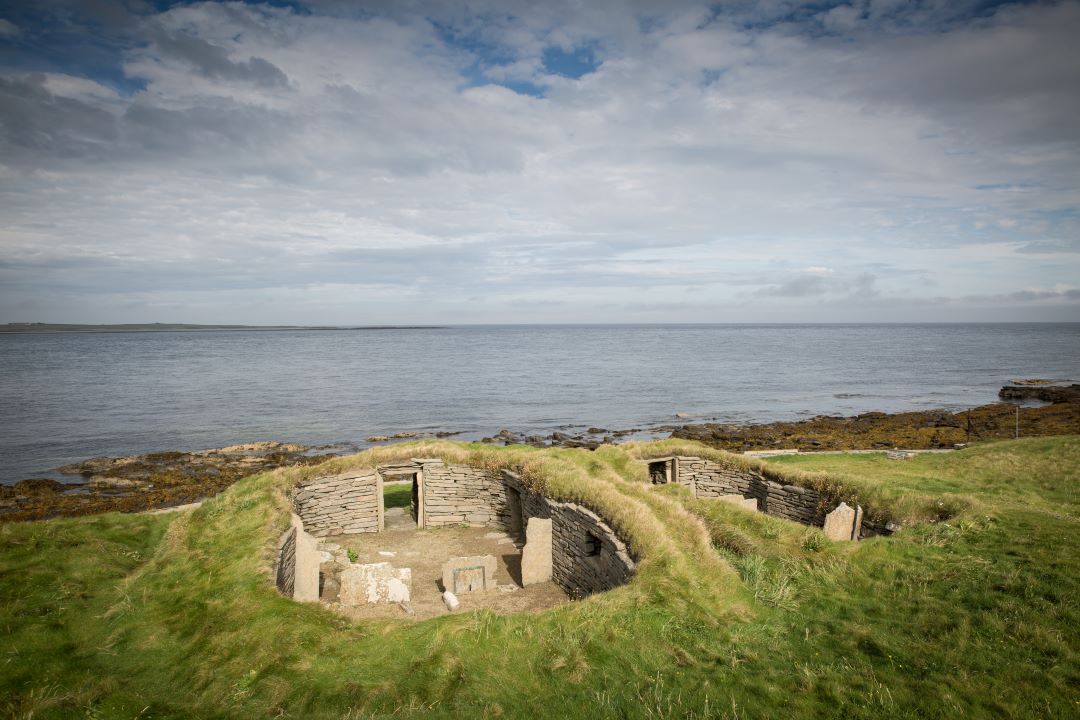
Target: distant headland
x=28, y=327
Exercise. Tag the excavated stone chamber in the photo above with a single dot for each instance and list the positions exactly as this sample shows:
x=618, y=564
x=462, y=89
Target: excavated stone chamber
x=712, y=480
x=529, y=541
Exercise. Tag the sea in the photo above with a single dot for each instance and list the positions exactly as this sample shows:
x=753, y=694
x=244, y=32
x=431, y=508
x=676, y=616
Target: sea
x=65, y=397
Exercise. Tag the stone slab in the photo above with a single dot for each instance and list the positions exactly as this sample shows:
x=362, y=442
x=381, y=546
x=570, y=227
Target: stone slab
x=308, y=559
x=375, y=583
x=536, y=555
x=840, y=523
x=469, y=574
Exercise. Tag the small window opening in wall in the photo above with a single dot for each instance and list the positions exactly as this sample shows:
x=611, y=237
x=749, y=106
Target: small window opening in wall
x=658, y=472
x=592, y=545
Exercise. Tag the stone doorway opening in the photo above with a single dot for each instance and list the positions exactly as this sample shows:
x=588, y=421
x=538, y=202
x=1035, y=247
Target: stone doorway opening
x=515, y=527
x=662, y=471
x=401, y=498
x=414, y=506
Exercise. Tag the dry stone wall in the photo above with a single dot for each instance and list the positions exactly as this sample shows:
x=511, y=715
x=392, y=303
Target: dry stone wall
x=586, y=554
x=709, y=479
x=285, y=567
x=296, y=569
x=789, y=501
x=349, y=503
x=460, y=494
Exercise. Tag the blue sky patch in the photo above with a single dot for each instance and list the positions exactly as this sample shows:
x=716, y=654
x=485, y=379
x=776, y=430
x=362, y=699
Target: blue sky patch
x=576, y=64
x=522, y=87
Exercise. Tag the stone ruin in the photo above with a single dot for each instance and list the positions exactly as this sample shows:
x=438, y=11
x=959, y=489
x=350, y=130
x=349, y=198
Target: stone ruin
x=751, y=490
x=562, y=542
x=469, y=574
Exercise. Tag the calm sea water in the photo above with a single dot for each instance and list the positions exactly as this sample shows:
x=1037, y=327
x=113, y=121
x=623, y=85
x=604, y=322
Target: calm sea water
x=67, y=397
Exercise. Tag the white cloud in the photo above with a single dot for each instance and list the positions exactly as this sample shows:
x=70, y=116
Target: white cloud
x=274, y=153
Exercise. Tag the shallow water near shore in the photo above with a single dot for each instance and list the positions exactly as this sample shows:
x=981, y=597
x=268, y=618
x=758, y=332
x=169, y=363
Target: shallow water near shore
x=67, y=397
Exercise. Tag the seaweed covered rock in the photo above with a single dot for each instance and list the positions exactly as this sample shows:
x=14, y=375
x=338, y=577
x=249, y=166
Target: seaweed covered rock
x=1047, y=393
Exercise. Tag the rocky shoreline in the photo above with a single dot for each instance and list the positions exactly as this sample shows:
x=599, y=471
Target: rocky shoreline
x=931, y=429
x=147, y=482
x=164, y=479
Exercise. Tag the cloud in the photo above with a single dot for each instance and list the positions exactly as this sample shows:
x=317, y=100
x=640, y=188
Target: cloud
x=814, y=283
x=1028, y=296
x=1050, y=246
x=213, y=61
x=805, y=286
x=776, y=158
x=8, y=28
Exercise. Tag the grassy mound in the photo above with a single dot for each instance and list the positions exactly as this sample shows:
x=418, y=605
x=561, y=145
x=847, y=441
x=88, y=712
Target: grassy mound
x=731, y=614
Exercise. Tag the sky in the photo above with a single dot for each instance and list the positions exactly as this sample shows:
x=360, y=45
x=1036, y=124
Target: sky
x=496, y=161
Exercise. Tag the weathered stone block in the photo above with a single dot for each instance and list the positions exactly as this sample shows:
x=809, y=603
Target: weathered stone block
x=469, y=574
x=536, y=555
x=306, y=583
x=840, y=523
x=375, y=583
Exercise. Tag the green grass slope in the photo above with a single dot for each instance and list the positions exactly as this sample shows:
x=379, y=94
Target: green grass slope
x=731, y=614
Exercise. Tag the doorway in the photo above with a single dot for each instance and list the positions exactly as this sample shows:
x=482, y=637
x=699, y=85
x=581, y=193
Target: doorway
x=401, y=495
x=516, y=528
x=415, y=505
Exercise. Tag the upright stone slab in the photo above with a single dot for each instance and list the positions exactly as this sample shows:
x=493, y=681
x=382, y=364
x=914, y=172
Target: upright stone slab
x=840, y=523
x=469, y=574
x=536, y=555
x=308, y=559
x=375, y=583
x=857, y=530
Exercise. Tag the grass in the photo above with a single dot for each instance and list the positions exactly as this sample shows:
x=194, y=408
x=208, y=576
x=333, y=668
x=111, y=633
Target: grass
x=731, y=614
x=397, y=496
